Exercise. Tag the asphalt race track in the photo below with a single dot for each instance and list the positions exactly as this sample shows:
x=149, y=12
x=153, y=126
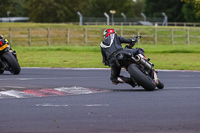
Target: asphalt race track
x=45, y=100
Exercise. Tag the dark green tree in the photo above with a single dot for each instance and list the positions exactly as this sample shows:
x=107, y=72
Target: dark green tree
x=138, y=7
x=101, y=6
x=15, y=7
x=47, y=11
x=191, y=10
x=66, y=10
x=56, y=10
x=172, y=8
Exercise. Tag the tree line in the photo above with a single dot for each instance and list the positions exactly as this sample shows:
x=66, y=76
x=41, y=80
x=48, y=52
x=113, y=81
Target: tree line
x=66, y=10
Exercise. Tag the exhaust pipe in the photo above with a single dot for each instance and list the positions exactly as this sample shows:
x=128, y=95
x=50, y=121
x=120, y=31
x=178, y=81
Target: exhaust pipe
x=146, y=64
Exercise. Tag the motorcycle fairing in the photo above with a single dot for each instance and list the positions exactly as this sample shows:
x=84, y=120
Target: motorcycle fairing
x=2, y=47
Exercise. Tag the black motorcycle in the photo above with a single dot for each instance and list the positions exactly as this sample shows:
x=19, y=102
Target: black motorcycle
x=140, y=69
x=8, y=59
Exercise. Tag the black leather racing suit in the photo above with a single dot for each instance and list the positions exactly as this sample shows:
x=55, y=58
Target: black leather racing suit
x=109, y=47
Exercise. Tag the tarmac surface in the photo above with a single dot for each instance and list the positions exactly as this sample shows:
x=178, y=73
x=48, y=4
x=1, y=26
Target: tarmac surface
x=46, y=100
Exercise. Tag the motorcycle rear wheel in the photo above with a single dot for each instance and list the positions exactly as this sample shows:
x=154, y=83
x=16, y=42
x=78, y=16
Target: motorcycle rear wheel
x=143, y=80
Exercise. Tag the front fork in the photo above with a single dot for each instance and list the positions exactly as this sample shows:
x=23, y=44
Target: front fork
x=155, y=77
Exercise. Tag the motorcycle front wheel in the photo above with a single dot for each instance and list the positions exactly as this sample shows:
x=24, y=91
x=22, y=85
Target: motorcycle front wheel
x=12, y=62
x=1, y=71
x=160, y=85
x=143, y=80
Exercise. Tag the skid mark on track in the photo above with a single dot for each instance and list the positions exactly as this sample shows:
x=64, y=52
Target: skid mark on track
x=45, y=92
x=16, y=94
x=60, y=91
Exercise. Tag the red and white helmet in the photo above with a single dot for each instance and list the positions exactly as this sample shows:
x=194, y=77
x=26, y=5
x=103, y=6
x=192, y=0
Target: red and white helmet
x=107, y=32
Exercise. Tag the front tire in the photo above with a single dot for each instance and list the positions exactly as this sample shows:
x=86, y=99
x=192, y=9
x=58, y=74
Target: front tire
x=143, y=80
x=12, y=62
x=160, y=85
x=1, y=71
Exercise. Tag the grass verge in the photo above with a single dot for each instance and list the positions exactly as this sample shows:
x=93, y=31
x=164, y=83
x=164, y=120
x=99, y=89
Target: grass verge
x=164, y=57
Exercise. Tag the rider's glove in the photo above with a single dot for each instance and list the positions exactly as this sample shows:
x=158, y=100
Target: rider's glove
x=130, y=45
x=133, y=41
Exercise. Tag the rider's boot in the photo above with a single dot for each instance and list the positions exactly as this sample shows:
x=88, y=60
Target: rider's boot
x=117, y=80
x=128, y=81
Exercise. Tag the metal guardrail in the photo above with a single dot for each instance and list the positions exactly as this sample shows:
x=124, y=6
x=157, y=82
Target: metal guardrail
x=93, y=36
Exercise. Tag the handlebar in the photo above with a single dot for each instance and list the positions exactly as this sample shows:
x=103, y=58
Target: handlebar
x=136, y=38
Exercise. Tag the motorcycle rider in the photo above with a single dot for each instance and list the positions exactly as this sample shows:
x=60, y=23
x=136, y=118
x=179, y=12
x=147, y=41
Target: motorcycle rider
x=5, y=41
x=1, y=37
x=110, y=46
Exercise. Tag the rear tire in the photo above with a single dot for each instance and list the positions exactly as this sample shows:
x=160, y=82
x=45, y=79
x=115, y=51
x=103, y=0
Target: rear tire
x=143, y=80
x=14, y=67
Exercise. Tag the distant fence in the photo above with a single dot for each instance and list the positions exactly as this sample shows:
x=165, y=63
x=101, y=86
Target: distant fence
x=185, y=24
x=93, y=36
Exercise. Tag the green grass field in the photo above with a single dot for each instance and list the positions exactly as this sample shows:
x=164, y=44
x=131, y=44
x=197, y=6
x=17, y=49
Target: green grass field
x=164, y=57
